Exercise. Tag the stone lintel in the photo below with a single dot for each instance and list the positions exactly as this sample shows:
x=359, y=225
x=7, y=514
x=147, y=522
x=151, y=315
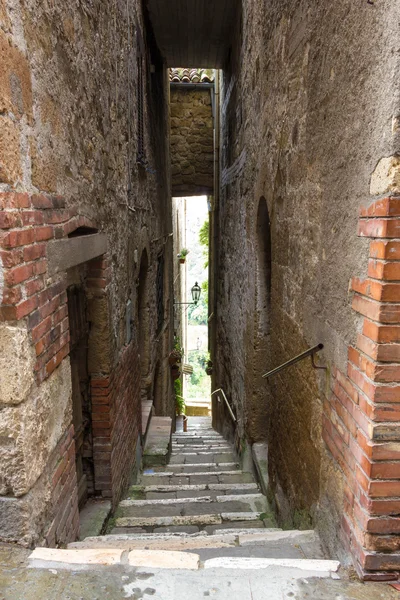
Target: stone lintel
x=67, y=253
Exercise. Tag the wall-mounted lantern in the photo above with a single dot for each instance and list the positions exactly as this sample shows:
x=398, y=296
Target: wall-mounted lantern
x=196, y=293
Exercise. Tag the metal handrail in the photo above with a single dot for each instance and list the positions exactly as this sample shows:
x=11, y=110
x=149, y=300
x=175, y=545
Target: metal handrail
x=309, y=352
x=226, y=402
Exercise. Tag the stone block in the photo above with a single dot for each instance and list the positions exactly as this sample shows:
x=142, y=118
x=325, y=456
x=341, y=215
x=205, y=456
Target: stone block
x=163, y=559
x=386, y=177
x=10, y=151
x=17, y=360
x=30, y=431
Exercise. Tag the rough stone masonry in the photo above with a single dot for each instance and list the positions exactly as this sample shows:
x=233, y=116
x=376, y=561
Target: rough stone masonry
x=77, y=215
x=308, y=225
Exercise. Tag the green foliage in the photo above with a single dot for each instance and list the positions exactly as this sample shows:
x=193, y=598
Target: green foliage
x=183, y=253
x=204, y=239
x=198, y=314
x=178, y=346
x=179, y=400
x=199, y=382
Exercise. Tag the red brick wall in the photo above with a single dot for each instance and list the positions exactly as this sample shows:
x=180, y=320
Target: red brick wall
x=116, y=408
x=362, y=418
x=27, y=223
x=116, y=424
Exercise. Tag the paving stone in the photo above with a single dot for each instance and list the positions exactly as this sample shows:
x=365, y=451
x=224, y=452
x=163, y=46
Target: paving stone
x=160, y=495
x=189, y=529
x=196, y=494
x=235, y=525
x=162, y=559
x=204, y=478
x=121, y=530
x=240, y=477
x=44, y=557
x=166, y=521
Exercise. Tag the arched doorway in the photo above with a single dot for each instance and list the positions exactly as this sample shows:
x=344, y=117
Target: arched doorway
x=257, y=408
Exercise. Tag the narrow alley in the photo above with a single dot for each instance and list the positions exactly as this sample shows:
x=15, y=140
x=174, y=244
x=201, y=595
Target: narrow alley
x=199, y=299
x=197, y=526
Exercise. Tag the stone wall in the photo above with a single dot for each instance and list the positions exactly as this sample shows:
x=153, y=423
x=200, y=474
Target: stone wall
x=192, y=141
x=309, y=108
x=68, y=147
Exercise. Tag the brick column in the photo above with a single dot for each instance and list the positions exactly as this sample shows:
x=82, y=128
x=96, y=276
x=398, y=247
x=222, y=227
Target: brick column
x=362, y=419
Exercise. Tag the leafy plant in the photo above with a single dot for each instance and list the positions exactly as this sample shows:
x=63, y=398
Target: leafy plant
x=204, y=239
x=179, y=400
x=178, y=347
x=183, y=253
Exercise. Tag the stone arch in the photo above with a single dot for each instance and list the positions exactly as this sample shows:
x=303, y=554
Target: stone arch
x=257, y=406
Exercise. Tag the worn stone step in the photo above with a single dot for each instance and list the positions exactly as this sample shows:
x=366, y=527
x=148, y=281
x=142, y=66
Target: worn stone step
x=201, y=467
x=265, y=542
x=200, y=520
x=154, y=492
x=188, y=506
x=170, y=478
x=208, y=458
x=237, y=536
x=200, y=450
x=158, y=442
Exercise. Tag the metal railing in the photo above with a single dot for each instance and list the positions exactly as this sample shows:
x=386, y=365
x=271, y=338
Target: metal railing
x=226, y=402
x=292, y=361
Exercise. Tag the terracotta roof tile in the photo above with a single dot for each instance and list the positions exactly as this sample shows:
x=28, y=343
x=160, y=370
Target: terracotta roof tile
x=191, y=75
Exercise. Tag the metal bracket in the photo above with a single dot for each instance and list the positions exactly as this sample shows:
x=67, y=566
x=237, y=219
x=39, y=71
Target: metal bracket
x=316, y=366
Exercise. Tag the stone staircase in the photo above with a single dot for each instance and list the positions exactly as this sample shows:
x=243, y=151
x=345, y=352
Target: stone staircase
x=198, y=512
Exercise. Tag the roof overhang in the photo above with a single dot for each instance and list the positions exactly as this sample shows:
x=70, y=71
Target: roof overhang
x=193, y=33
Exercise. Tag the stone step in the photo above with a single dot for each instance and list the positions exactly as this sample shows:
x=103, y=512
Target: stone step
x=192, y=506
x=138, y=492
x=79, y=558
x=199, y=520
x=171, y=478
x=207, y=467
x=257, y=543
x=188, y=449
x=204, y=458
x=158, y=442
x=272, y=542
x=185, y=438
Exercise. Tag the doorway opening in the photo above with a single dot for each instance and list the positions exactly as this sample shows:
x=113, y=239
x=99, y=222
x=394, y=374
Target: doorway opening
x=191, y=319
x=81, y=399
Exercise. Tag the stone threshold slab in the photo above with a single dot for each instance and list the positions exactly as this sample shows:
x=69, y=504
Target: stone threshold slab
x=318, y=566
x=75, y=558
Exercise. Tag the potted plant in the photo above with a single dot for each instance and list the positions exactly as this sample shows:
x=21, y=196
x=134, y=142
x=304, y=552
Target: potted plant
x=182, y=255
x=175, y=356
